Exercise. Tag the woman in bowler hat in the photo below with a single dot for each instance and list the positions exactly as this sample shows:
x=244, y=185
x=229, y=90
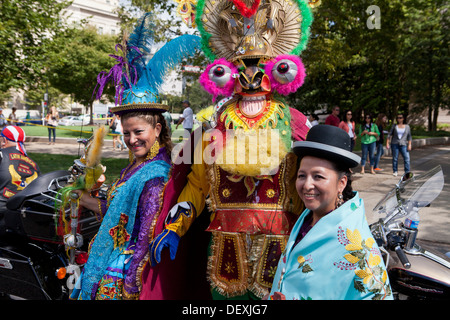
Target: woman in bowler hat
x=330, y=254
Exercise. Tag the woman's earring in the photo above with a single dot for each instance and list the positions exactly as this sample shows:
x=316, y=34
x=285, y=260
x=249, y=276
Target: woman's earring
x=153, y=151
x=340, y=200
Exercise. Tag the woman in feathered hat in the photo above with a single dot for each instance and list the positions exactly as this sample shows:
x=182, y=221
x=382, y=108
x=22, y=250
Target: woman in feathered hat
x=330, y=253
x=119, y=252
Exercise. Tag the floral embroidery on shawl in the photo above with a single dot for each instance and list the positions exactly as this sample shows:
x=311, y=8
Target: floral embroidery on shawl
x=365, y=260
x=303, y=263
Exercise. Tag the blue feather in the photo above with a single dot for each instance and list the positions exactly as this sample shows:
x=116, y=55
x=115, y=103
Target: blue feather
x=166, y=58
x=139, y=44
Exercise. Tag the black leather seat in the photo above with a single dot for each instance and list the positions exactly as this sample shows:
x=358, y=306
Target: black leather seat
x=34, y=188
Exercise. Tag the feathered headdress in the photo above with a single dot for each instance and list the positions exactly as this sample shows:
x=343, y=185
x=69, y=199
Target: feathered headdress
x=141, y=73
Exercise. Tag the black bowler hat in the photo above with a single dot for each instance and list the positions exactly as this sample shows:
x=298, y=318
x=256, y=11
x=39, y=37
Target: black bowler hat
x=330, y=143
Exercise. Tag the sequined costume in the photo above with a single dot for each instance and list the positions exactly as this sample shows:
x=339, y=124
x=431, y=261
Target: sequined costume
x=121, y=278
x=246, y=176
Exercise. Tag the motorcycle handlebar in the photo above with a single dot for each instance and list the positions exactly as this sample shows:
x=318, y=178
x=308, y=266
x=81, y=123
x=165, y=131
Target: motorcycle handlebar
x=402, y=256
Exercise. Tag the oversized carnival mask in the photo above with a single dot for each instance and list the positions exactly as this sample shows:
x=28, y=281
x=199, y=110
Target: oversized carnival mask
x=254, y=45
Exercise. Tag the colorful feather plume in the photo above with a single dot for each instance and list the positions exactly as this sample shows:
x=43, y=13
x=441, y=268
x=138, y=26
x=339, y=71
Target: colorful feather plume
x=94, y=154
x=139, y=68
x=166, y=58
x=87, y=181
x=139, y=45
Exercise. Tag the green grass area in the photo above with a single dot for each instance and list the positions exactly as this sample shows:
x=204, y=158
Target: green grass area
x=62, y=131
x=78, y=131
x=53, y=162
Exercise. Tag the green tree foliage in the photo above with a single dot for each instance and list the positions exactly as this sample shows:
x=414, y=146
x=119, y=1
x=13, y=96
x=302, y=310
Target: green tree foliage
x=427, y=57
x=403, y=63
x=79, y=56
x=26, y=31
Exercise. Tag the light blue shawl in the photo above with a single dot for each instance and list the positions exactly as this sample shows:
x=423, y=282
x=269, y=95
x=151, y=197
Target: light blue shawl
x=337, y=259
x=125, y=201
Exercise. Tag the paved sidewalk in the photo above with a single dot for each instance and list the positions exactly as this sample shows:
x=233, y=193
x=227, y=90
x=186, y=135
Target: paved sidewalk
x=434, y=220
x=69, y=146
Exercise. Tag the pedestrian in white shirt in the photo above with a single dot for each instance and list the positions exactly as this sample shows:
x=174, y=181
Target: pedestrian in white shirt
x=187, y=118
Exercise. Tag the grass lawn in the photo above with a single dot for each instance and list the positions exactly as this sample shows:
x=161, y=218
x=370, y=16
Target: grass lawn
x=61, y=131
x=77, y=131
x=53, y=162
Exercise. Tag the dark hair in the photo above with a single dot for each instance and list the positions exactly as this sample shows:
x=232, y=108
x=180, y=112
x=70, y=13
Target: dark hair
x=153, y=117
x=404, y=117
x=347, y=194
x=344, y=115
x=315, y=116
x=368, y=115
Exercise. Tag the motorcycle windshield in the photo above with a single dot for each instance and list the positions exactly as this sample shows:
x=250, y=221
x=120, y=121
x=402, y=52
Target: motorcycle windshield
x=419, y=190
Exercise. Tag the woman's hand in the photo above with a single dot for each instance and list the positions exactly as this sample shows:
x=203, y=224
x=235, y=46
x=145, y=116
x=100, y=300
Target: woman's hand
x=86, y=201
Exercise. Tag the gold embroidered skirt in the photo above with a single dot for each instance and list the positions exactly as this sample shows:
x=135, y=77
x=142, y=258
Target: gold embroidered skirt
x=240, y=262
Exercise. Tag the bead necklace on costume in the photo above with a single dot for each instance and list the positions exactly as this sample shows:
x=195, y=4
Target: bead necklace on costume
x=127, y=173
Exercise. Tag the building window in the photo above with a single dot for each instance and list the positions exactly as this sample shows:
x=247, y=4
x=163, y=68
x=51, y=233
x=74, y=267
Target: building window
x=100, y=30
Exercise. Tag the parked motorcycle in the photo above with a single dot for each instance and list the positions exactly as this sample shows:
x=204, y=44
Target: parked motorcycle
x=37, y=259
x=415, y=271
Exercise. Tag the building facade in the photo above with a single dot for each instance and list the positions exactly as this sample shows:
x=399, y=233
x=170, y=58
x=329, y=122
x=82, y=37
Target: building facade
x=99, y=13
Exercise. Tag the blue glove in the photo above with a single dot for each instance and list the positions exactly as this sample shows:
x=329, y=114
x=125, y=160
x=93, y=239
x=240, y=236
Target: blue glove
x=167, y=238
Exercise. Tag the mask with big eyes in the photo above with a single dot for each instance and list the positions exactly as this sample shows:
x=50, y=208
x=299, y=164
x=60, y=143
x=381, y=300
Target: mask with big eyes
x=286, y=73
x=218, y=78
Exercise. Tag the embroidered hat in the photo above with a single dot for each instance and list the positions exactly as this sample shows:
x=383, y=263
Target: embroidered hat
x=15, y=134
x=330, y=143
x=234, y=29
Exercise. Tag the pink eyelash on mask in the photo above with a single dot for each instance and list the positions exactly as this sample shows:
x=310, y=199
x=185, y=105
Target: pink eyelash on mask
x=290, y=87
x=211, y=87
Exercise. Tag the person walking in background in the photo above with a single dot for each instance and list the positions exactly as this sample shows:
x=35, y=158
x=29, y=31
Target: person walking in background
x=348, y=125
x=187, y=118
x=333, y=118
x=369, y=134
x=12, y=119
x=3, y=121
x=400, y=139
x=116, y=129
x=52, y=122
x=313, y=119
x=381, y=124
